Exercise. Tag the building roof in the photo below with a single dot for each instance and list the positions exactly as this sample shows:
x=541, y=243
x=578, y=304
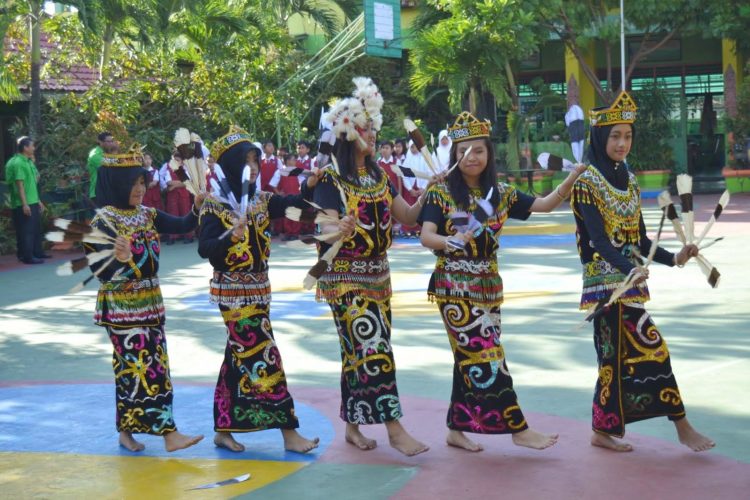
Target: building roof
x=58, y=78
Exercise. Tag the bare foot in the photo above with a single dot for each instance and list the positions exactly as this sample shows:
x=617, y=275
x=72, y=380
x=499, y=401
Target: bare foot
x=128, y=442
x=402, y=440
x=692, y=438
x=226, y=440
x=293, y=441
x=174, y=441
x=459, y=440
x=533, y=439
x=355, y=437
x=610, y=443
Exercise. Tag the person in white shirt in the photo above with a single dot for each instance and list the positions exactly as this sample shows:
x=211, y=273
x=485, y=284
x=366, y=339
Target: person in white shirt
x=442, y=155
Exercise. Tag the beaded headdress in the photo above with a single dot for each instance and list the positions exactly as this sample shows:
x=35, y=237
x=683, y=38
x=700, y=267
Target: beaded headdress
x=352, y=113
x=468, y=127
x=132, y=158
x=235, y=136
x=623, y=110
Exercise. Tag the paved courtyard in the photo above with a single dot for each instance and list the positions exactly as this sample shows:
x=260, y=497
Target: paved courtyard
x=57, y=434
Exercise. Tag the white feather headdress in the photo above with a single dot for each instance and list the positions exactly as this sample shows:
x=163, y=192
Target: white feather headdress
x=350, y=113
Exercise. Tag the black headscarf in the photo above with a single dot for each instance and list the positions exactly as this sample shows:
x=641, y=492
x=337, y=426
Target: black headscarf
x=114, y=184
x=616, y=174
x=233, y=162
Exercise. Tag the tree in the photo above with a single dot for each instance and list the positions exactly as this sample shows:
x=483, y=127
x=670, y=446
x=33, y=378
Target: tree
x=730, y=19
x=473, y=48
x=578, y=24
x=330, y=15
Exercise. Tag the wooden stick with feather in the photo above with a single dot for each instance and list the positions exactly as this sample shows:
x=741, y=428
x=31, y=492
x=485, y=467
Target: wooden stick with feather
x=685, y=190
x=465, y=155
x=665, y=203
x=416, y=136
x=723, y=201
x=710, y=272
x=629, y=281
x=326, y=259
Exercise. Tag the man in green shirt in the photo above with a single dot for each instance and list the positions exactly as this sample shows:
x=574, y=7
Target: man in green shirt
x=22, y=177
x=96, y=156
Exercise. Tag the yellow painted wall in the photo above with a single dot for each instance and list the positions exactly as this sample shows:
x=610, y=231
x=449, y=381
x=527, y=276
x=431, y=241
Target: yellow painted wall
x=586, y=89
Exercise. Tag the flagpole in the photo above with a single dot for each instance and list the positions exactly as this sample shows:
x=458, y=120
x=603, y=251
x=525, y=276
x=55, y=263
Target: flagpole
x=623, y=84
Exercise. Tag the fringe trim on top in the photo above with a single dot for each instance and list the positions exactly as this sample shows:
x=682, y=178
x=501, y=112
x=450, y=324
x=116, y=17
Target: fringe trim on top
x=620, y=210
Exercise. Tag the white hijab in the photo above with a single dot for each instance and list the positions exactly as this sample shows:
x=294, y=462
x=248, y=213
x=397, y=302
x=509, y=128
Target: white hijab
x=416, y=162
x=442, y=156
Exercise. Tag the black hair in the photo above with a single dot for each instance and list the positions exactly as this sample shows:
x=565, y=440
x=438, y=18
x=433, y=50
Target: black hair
x=269, y=142
x=386, y=143
x=304, y=143
x=403, y=144
x=488, y=178
x=289, y=157
x=345, y=153
x=23, y=143
x=103, y=136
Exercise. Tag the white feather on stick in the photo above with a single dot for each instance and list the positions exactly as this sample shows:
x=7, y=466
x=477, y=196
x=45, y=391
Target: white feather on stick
x=723, y=202
x=665, y=203
x=82, y=284
x=685, y=190
x=416, y=136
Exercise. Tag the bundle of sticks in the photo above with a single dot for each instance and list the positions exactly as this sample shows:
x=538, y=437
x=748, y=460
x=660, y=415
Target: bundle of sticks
x=685, y=235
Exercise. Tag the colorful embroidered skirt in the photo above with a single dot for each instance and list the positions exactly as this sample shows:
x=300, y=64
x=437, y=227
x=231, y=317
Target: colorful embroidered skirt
x=251, y=393
x=483, y=400
x=143, y=388
x=129, y=303
x=368, y=373
x=635, y=376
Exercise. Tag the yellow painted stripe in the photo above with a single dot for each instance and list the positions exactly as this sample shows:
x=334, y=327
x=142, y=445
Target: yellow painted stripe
x=62, y=475
x=532, y=229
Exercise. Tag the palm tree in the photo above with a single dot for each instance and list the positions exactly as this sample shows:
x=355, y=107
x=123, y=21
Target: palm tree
x=330, y=15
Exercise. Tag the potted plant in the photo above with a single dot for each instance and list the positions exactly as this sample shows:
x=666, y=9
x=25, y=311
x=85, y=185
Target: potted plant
x=651, y=157
x=737, y=173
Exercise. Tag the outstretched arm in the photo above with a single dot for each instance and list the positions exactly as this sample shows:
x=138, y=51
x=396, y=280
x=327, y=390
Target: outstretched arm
x=556, y=197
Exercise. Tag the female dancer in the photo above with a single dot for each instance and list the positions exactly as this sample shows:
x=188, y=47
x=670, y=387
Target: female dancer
x=129, y=303
x=357, y=285
x=461, y=221
x=635, y=376
x=251, y=392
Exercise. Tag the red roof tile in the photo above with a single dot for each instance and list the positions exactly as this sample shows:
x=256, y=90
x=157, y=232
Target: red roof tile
x=75, y=78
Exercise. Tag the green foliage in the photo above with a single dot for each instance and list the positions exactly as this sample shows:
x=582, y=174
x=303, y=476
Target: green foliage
x=740, y=124
x=651, y=149
x=471, y=48
x=730, y=19
x=578, y=24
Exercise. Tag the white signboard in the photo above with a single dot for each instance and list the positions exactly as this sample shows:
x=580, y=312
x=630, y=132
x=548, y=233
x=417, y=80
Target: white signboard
x=383, y=21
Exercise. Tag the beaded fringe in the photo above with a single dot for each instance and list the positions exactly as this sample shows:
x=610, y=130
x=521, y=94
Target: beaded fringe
x=129, y=303
x=236, y=289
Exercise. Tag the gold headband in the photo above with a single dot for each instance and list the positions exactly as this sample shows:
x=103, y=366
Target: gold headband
x=235, y=136
x=623, y=110
x=468, y=127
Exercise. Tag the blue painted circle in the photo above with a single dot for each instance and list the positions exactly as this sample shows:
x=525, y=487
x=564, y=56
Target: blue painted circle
x=80, y=418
